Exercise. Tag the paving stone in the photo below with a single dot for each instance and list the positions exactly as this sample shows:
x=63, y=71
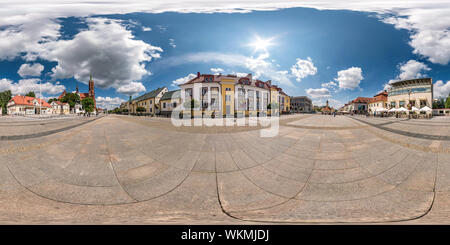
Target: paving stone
x=144, y=170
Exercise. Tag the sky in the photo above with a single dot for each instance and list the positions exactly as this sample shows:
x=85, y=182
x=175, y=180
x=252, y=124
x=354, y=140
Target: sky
x=332, y=50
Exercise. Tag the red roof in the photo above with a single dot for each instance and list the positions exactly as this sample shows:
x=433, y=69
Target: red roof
x=59, y=102
x=379, y=97
x=362, y=100
x=82, y=95
x=26, y=100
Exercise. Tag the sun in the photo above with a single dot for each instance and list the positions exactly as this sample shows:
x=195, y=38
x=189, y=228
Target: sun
x=261, y=44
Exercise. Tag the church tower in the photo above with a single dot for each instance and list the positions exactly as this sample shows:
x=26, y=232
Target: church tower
x=92, y=90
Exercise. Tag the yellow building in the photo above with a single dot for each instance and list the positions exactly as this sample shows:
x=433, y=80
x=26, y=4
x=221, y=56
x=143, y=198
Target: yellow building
x=169, y=101
x=229, y=96
x=148, y=101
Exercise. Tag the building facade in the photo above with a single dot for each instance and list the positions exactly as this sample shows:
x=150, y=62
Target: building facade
x=169, y=101
x=149, y=101
x=301, y=104
x=409, y=93
x=60, y=108
x=230, y=95
x=25, y=105
x=359, y=105
x=378, y=102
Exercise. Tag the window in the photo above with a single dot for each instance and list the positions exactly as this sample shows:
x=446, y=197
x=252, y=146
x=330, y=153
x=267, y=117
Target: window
x=164, y=105
x=257, y=101
x=227, y=89
x=393, y=104
x=204, y=98
x=265, y=100
x=251, y=99
x=215, y=98
x=188, y=94
x=151, y=102
x=423, y=103
x=241, y=99
x=402, y=103
x=227, y=97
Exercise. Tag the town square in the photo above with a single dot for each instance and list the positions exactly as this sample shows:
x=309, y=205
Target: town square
x=319, y=168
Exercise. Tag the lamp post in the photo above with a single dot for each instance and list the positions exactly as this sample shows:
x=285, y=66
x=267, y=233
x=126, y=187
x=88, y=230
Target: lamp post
x=40, y=99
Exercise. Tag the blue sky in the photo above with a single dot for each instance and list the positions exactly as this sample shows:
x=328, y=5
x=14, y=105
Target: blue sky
x=334, y=55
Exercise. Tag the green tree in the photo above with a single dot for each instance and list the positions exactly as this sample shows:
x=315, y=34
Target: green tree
x=191, y=105
x=31, y=94
x=71, y=98
x=116, y=110
x=447, y=102
x=52, y=99
x=140, y=109
x=88, y=104
x=5, y=97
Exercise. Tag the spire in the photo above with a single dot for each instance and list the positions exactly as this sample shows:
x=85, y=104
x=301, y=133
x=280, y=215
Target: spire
x=90, y=77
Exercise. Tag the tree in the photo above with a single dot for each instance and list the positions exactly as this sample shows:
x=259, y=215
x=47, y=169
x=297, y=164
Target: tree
x=31, y=94
x=52, y=99
x=5, y=97
x=88, y=104
x=191, y=105
x=140, y=109
x=71, y=98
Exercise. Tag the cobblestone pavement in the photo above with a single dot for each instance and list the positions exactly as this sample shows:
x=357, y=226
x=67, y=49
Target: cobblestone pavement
x=122, y=169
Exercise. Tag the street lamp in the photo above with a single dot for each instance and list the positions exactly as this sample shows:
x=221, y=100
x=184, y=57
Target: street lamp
x=40, y=99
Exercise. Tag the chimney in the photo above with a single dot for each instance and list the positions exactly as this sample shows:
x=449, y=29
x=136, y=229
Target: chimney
x=198, y=74
x=269, y=82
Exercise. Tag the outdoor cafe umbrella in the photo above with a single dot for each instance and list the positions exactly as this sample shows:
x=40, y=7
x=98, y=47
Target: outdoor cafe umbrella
x=414, y=108
x=392, y=110
x=402, y=109
x=381, y=110
x=426, y=109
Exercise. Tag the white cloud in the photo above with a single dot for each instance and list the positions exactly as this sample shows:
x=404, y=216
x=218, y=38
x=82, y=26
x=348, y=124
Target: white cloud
x=412, y=69
x=172, y=43
x=429, y=31
x=145, y=28
x=408, y=70
x=183, y=80
x=260, y=66
x=24, y=86
x=216, y=71
x=29, y=22
x=131, y=88
x=329, y=84
x=441, y=89
x=303, y=68
x=318, y=92
x=349, y=78
x=239, y=74
x=106, y=50
x=33, y=70
x=108, y=102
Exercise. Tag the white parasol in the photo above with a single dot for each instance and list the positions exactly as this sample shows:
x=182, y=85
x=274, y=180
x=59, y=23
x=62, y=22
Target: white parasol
x=393, y=110
x=426, y=109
